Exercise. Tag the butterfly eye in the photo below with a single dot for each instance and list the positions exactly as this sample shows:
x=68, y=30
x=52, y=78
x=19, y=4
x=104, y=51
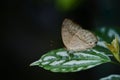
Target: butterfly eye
x=91, y=43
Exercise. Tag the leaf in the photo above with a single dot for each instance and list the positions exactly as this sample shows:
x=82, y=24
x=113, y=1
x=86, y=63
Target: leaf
x=61, y=60
x=102, y=47
x=111, y=77
x=106, y=34
x=114, y=48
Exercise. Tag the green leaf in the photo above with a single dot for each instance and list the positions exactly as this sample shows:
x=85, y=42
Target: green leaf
x=106, y=34
x=114, y=48
x=111, y=77
x=61, y=60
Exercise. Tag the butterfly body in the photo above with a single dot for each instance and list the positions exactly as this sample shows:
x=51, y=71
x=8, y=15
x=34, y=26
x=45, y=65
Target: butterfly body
x=75, y=38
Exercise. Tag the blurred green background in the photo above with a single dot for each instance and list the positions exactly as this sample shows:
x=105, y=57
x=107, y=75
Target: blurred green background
x=33, y=27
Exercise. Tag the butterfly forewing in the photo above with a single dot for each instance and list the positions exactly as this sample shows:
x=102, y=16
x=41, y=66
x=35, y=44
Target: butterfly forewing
x=70, y=26
x=68, y=31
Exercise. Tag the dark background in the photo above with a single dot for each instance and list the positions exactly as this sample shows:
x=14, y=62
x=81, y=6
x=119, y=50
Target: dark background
x=33, y=27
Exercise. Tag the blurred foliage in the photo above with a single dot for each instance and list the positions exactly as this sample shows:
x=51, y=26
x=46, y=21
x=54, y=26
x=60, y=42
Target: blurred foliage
x=109, y=40
x=67, y=5
x=114, y=48
x=107, y=34
x=111, y=77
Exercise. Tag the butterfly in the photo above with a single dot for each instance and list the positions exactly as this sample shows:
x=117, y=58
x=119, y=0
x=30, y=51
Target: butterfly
x=75, y=38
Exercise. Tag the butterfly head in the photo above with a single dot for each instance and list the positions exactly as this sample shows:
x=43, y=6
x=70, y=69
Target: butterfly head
x=92, y=43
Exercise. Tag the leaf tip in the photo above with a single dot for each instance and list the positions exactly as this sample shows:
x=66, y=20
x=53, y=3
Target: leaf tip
x=34, y=63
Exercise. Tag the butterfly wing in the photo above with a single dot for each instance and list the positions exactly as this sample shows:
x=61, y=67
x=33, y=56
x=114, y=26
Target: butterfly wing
x=68, y=31
x=82, y=40
x=76, y=38
x=76, y=44
x=87, y=37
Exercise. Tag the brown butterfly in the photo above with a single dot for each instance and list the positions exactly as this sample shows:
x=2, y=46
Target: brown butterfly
x=76, y=38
